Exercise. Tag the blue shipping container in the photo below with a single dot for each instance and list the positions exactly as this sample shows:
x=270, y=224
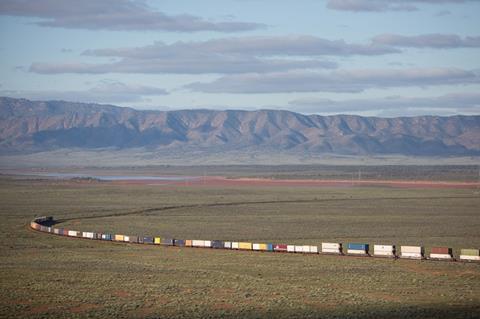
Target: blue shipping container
x=179, y=242
x=148, y=240
x=358, y=246
x=218, y=244
x=166, y=241
x=270, y=247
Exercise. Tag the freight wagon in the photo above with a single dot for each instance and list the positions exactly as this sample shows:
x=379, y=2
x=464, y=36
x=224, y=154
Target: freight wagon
x=470, y=254
x=412, y=252
x=357, y=249
x=441, y=253
x=384, y=251
x=332, y=248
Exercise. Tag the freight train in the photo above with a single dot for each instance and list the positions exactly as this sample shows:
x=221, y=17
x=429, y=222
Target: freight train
x=44, y=224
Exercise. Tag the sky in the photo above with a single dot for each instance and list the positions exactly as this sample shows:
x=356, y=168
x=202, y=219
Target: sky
x=383, y=58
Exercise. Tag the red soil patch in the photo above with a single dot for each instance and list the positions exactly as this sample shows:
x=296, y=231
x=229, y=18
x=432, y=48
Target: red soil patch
x=83, y=308
x=221, y=181
x=39, y=309
x=121, y=294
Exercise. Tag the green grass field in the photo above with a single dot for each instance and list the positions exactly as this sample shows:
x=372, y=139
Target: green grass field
x=50, y=276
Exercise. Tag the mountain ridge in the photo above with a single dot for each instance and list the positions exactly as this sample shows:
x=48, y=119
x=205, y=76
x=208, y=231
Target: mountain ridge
x=33, y=126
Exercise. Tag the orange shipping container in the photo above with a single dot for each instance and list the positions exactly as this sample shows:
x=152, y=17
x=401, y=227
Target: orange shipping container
x=188, y=242
x=119, y=237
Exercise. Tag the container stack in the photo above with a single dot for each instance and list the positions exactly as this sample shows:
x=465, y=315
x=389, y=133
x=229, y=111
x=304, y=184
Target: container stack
x=412, y=252
x=332, y=248
x=280, y=247
x=245, y=246
x=470, y=254
x=357, y=249
x=384, y=251
x=443, y=253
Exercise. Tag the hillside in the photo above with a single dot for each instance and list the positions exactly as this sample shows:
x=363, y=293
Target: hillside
x=31, y=126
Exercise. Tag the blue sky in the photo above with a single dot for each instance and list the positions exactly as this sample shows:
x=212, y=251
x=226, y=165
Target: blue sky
x=366, y=57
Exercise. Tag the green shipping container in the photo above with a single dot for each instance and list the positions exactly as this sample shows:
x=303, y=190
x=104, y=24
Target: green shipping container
x=470, y=252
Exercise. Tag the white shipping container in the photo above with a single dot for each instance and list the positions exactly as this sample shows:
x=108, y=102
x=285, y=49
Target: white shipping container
x=198, y=243
x=87, y=235
x=126, y=238
x=411, y=255
x=207, y=243
x=298, y=249
x=357, y=251
x=412, y=249
x=466, y=257
x=384, y=250
x=314, y=249
x=440, y=256
x=290, y=248
x=72, y=233
x=306, y=248
x=56, y=231
x=227, y=245
x=234, y=245
x=331, y=246
x=256, y=246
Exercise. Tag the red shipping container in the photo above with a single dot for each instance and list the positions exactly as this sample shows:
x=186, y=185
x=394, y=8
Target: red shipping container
x=279, y=247
x=441, y=250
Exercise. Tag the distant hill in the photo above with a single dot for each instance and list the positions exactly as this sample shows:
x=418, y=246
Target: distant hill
x=31, y=126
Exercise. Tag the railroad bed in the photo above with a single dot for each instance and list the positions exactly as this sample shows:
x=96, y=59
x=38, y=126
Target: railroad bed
x=44, y=224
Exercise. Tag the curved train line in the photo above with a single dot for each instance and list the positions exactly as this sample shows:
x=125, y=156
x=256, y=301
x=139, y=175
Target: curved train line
x=45, y=224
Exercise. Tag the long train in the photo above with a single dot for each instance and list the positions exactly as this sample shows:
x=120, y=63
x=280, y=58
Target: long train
x=352, y=249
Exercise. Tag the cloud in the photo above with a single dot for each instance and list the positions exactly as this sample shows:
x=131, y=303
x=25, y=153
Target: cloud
x=115, y=15
x=383, y=5
x=467, y=103
x=352, y=81
x=437, y=41
x=226, y=56
x=103, y=92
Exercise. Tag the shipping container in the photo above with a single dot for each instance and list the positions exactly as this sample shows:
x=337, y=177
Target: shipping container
x=412, y=252
x=280, y=247
x=235, y=245
x=133, y=239
x=188, y=243
x=167, y=241
x=208, y=243
x=441, y=250
x=118, y=237
x=217, y=244
x=357, y=249
x=65, y=232
x=443, y=253
x=227, y=245
x=57, y=231
x=291, y=248
x=384, y=250
x=331, y=248
x=106, y=237
x=298, y=248
x=147, y=240
x=470, y=255
x=73, y=233
x=179, y=242
x=126, y=238
x=88, y=235
x=269, y=247
x=140, y=239
x=198, y=243
x=245, y=246
x=157, y=240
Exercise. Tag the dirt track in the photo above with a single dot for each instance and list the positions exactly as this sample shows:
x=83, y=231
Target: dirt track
x=248, y=182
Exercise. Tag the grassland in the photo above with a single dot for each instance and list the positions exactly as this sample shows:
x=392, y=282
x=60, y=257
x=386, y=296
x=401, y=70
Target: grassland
x=48, y=276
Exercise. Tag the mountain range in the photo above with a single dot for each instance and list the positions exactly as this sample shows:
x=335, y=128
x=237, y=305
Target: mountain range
x=35, y=126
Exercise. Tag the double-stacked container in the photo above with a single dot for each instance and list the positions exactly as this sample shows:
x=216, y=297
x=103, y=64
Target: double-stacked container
x=291, y=248
x=384, y=251
x=280, y=247
x=262, y=247
x=227, y=245
x=332, y=248
x=443, y=253
x=245, y=246
x=470, y=254
x=357, y=249
x=412, y=252
x=88, y=235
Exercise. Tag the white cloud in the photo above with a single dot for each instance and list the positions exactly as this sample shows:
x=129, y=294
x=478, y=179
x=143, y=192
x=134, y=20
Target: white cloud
x=103, y=92
x=438, y=41
x=124, y=15
x=384, y=5
x=352, y=81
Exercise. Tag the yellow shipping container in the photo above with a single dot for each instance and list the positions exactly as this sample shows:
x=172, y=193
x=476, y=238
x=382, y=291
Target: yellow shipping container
x=188, y=242
x=262, y=246
x=157, y=240
x=119, y=237
x=247, y=246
